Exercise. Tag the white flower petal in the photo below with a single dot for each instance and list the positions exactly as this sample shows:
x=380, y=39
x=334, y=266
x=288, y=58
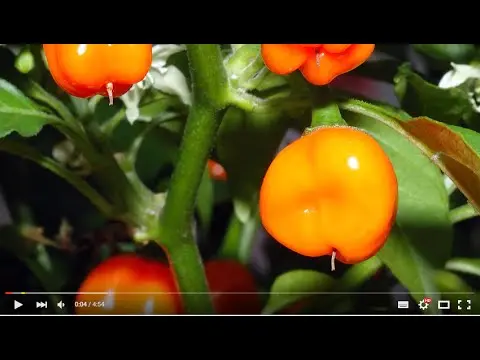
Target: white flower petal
x=161, y=53
x=458, y=75
x=172, y=81
x=132, y=100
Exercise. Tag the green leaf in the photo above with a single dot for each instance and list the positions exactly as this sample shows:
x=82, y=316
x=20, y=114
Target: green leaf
x=205, y=198
x=457, y=53
x=453, y=288
x=464, y=265
x=246, y=145
x=412, y=270
x=421, y=98
x=18, y=113
x=239, y=238
x=294, y=286
x=423, y=206
x=454, y=149
x=357, y=274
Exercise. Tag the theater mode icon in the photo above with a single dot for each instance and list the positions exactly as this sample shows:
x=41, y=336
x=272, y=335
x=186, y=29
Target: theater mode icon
x=443, y=304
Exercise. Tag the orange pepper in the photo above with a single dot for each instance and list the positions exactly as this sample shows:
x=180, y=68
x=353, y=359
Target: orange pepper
x=331, y=192
x=319, y=63
x=85, y=70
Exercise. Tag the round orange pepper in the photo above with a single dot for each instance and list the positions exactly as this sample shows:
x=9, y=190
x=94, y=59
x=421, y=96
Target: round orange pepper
x=331, y=192
x=319, y=63
x=134, y=285
x=216, y=171
x=85, y=70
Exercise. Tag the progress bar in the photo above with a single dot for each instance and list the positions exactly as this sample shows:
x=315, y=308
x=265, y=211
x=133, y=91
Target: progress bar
x=238, y=293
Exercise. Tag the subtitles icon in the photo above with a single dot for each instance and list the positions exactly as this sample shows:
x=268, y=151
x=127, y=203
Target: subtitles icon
x=402, y=304
x=443, y=304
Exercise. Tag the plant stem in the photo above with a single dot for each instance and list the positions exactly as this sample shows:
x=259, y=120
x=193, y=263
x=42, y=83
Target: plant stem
x=462, y=213
x=210, y=93
x=325, y=110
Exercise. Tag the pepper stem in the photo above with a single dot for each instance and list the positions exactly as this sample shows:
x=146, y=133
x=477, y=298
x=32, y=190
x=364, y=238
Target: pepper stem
x=332, y=261
x=110, y=93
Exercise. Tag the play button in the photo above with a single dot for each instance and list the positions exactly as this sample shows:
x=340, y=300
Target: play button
x=17, y=304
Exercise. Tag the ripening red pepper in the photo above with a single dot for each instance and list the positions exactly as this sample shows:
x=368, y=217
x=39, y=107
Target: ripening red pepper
x=319, y=63
x=216, y=171
x=85, y=70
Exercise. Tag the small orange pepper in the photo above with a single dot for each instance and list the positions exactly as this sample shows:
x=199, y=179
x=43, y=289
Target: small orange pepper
x=319, y=63
x=85, y=70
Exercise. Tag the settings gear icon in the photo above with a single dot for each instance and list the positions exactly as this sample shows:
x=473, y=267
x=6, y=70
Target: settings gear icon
x=423, y=305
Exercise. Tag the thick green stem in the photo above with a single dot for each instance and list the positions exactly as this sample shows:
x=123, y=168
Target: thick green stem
x=325, y=110
x=210, y=90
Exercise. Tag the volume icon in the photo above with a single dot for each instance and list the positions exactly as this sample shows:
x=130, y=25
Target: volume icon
x=41, y=304
x=61, y=304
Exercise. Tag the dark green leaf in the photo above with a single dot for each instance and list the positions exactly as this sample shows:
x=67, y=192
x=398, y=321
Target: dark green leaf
x=457, y=53
x=245, y=147
x=294, y=286
x=466, y=266
x=423, y=209
x=162, y=143
x=357, y=274
x=421, y=98
x=401, y=256
x=18, y=113
x=381, y=70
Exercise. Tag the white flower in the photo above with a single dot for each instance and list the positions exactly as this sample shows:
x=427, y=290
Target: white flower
x=457, y=76
x=166, y=78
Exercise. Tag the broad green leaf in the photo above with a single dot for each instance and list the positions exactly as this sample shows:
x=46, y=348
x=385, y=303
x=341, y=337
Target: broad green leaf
x=294, y=286
x=205, y=198
x=423, y=207
x=412, y=270
x=245, y=147
x=357, y=274
x=457, y=53
x=18, y=113
x=458, y=292
x=421, y=98
x=454, y=149
x=464, y=265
